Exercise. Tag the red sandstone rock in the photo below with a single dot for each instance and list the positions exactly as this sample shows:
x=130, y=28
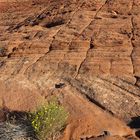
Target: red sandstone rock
x=90, y=45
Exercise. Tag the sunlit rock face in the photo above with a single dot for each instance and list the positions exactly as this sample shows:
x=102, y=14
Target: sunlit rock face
x=92, y=47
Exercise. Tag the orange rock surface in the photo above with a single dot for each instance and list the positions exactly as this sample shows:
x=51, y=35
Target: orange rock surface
x=91, y=46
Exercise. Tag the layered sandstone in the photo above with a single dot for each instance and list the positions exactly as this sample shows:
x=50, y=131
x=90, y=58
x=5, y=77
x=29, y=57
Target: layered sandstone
x=92, y=46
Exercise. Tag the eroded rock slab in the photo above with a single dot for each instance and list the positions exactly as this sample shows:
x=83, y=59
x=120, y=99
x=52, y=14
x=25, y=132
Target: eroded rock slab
x=90, y=46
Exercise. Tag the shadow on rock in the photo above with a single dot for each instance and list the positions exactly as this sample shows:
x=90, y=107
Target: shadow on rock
x=135, y=123
x=17, y=126
x=138, y=133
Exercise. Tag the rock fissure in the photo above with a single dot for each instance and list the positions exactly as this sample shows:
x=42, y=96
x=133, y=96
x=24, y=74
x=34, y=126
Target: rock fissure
x=91, y=41
x=132, y=37
x=50, y=47
x=78, y=71
x=135, y=94
x=83, y=52
x=87, y=93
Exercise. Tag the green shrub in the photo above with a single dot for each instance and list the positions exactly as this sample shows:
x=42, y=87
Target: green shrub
x=49, y=120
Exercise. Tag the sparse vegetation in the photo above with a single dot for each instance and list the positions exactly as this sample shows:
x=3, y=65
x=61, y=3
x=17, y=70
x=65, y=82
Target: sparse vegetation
x=46, y=123
x=49, y=120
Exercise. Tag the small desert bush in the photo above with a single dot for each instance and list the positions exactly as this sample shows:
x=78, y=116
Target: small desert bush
x=49, y=120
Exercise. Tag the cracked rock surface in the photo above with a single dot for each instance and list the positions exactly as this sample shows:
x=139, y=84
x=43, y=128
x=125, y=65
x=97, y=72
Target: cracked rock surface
x=92, y=46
